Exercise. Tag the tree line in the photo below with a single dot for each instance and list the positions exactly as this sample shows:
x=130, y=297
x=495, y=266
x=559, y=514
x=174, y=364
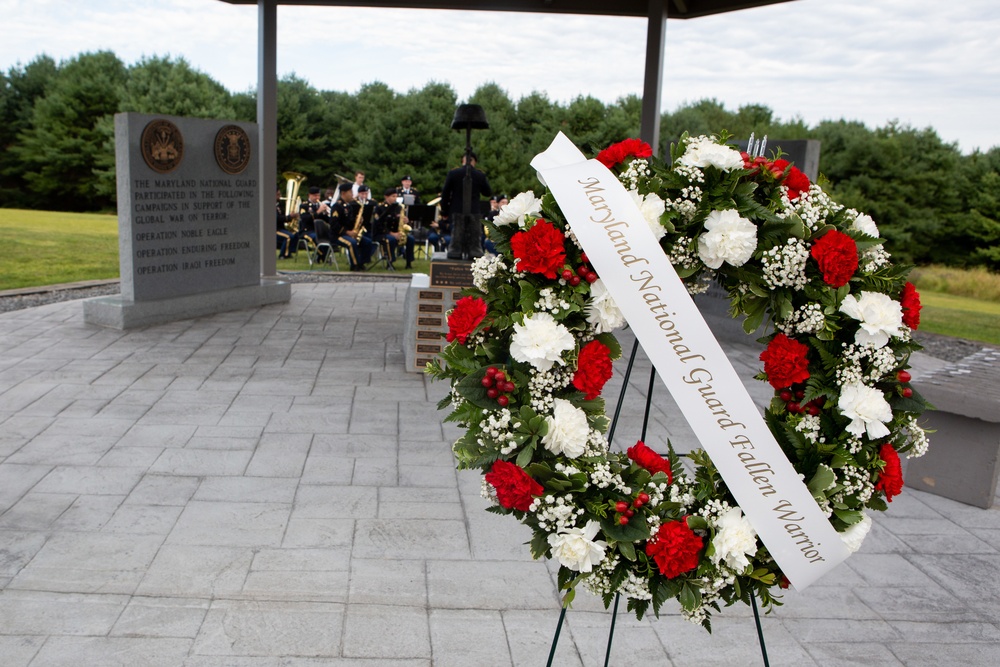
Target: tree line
x=932, y=202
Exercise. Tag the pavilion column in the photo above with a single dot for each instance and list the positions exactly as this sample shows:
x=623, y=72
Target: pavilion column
x=656, y=35
x=267, y=127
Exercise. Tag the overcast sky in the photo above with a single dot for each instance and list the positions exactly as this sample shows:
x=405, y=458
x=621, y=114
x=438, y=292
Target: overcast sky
x=921, y=62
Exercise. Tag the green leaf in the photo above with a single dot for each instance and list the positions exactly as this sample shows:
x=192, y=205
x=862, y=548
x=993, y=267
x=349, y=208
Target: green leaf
x=627, y=549
x=539, y=544
x=634, y=531
x=690, y=597
x=614, y=347
x=524, y=456
x=821, y=481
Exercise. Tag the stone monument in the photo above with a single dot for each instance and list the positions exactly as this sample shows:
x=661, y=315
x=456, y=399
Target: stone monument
x=188, y=222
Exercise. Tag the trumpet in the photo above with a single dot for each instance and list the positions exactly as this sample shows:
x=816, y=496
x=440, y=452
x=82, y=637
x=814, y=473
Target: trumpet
x=293, y=180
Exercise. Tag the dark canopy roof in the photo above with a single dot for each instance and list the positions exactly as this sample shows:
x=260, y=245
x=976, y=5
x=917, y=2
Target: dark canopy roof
x=677, y=9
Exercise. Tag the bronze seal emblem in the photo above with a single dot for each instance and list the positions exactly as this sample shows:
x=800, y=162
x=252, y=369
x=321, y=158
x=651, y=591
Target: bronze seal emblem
x=232, y=149
x=162, y=146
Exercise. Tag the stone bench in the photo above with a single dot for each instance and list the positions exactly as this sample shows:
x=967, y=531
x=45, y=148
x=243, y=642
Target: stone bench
x=963, y=460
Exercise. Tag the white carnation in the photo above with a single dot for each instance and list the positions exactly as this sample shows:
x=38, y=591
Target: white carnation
x=602, y=311
x=652, y=207
x=518, y=208
x=735, y=540
x=703, y=152
x=880, y=317
x=730, y=238
x=867, y=409
x=540, y=341
x=576, y=548
x=568, y=430
x=855, y=534
x=864, y=224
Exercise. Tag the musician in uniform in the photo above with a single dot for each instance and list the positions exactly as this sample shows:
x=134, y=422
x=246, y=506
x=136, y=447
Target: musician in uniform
x=364, y=200
x=342, y=228
x=406, y=188
x=287, y=239
x=389, y=230
x=314, y=218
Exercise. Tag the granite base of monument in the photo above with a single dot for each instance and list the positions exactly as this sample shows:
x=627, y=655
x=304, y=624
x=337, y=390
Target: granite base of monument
x=117, y=312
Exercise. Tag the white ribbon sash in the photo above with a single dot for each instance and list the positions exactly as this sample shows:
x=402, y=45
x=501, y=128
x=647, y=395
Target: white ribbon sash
x=691, y=363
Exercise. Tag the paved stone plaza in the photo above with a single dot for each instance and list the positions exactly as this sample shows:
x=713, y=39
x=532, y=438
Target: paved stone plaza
x=269, y=487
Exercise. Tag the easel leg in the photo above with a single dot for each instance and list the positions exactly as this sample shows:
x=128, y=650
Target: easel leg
x=555, y=640
x=760, y=630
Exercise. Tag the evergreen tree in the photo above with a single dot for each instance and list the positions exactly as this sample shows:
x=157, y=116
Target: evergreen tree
x=159, y=86
x=60, y=148
x=20, y=88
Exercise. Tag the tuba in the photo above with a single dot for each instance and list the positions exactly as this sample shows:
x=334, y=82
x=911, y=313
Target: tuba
x=293, y=180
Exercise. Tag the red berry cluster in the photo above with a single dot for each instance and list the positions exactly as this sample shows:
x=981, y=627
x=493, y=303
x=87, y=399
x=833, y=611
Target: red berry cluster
x=794, y=405
x=497, y=385
x=904, y=378
x=625, y=511
x=583, y=272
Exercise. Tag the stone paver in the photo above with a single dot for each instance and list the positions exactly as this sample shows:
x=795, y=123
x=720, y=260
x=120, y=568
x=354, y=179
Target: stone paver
x=268, y=487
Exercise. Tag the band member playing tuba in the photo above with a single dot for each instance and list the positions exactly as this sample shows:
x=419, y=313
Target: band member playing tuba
x=391, y=229
x=287, y=238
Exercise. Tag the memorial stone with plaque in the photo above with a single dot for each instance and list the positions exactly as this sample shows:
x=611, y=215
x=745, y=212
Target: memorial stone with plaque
x=426, y=307
x=188, y=222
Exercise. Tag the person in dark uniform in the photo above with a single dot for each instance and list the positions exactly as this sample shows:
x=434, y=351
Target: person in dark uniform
x=363, y=203
x=342, y=228
x=287, y=239
x=466, y=226
x=314, y=218
x=406, y=188
x=389, y=230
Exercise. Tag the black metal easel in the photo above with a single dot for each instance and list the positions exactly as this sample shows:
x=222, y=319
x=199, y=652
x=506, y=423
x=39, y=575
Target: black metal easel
x=611, y=435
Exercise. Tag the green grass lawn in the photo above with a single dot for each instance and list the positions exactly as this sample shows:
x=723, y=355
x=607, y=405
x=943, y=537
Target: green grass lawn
x=960, y=317
x=49, y=248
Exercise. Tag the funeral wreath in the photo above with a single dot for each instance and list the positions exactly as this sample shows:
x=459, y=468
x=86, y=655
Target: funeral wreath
x=531, y=347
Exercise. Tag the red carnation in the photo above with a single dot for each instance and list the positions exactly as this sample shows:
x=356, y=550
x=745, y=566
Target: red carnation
x=468, y=313
x=616, y=153
x=646, y=458
x=785, y=361
x=891, y=479
x=753, y=163
x=593, y=369
x=795, y=180
x=540, y=249
x=836, y=254
x=515, y=488
x=675, y=548
x=910, y=301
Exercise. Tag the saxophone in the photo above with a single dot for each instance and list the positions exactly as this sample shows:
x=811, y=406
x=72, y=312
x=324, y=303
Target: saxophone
x=359, y=222
x=404, y=228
